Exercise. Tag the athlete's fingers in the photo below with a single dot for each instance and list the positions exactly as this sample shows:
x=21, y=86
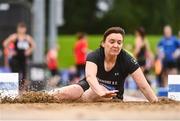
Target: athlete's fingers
x=114, y=91
x=111, y=93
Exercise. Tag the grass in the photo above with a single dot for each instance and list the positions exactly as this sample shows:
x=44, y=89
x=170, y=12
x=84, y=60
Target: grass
x=66, y=42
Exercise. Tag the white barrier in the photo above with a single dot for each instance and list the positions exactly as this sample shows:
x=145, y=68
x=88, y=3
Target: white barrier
x=9, y=84
x=174, y=87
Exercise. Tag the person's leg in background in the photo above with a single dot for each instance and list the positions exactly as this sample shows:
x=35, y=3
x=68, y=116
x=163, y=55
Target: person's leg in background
x=24, y=83
x=80, y=70
x=16, y=66
x=170, y=68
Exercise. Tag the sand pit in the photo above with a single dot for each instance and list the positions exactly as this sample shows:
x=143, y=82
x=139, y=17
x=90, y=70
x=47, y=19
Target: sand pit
x=165, y=109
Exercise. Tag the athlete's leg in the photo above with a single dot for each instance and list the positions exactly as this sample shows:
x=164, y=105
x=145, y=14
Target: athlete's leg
x=71, y=92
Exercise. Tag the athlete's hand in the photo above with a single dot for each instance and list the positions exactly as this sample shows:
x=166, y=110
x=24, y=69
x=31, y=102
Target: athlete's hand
x=109, y=94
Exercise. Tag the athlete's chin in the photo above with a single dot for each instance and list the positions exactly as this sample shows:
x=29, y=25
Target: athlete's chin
x=114, y=53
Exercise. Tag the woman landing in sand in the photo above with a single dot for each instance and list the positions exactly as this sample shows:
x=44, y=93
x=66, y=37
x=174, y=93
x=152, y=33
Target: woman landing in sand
x=105, y=73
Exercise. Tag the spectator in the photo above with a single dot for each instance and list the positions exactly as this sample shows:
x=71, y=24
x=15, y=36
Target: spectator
x=177, y=54
x=52, y=61
x=23, y=48
x=166, y=49
x=142, y=51
x=80, y=51
x=8, y=54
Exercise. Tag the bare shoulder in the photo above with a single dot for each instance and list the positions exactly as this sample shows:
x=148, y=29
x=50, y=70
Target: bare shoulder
x=29, y=37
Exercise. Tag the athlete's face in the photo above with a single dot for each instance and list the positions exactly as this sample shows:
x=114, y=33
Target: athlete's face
x=113, y=44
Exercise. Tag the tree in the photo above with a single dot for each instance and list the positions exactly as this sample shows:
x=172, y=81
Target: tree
x=79, y=15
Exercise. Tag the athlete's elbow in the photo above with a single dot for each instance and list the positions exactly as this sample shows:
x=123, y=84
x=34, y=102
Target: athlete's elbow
x=89, y=77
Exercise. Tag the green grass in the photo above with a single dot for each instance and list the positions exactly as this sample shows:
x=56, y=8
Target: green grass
x=66, y=42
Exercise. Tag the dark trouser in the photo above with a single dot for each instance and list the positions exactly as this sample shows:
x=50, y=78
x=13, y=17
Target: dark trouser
x=19, y=65
x=169, y=64
x=159, y=79
x=80, y=70
x=54, y=72
x=178, y=65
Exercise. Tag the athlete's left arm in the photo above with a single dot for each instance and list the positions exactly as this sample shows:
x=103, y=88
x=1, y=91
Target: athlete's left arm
x=142, y=83
x=32, y=45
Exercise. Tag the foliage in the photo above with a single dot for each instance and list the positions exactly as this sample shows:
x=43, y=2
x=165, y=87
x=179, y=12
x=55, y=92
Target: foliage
x=80, y=15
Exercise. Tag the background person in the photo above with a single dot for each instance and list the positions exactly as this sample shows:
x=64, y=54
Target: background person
x=8, y=54
x=52, y=64
x=166, y=50
x=80, y=53
x=23, y=48
x=142, y=51
x=52, y=61
x=177, y=54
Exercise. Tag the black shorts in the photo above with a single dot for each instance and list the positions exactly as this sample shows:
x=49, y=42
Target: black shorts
x=84, y=84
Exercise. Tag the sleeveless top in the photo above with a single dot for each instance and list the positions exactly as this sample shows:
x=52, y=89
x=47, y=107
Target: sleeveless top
x=20, y=47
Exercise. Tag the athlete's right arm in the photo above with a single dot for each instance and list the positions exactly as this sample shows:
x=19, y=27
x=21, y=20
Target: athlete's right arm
x=143, y=85
x=91, y=71
x=9, y=39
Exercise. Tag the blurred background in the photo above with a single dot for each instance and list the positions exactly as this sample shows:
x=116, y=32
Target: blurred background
x=55, y=26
